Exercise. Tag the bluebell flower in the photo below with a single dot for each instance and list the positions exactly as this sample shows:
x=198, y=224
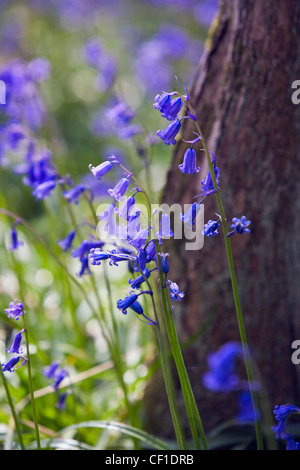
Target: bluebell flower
x=207, y=184
x=126, y=208
x=246, y=412
x=61, y=403
x=211, y=228
x=132, y=303
x=50, y=371
x=119, y=255
x=189, y=165
x=59, y=376
x=151, y=251
x=165, y=228
x=96, y=256
x=127, y=302
x=169, y=108
x=189, y=217
x=15, y=346
x=85, y=247
x=43, y=190
x=222, y=376
x=15, y=242
x=292, y=444
x=73, y=194
x=142, y=259
x=137, y=282
x=92, y=52
x=102, y=169
x=282, y=413
x=139, y=240
x=15, y=310
x=66, y=243
x=84, y=268
x=164, y=262
x=175, y=292
x=162, y=102
x=240, y=225
x=11, y=365
x=120, y=189
x=170, y=132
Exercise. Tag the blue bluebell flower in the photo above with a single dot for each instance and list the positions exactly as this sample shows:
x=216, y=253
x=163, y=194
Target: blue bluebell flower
x=15, y=346
x=120, y=189
x=15, y=310
x=15, y=242
x=164, y=262
x=84, y=267
x=85, y=247
x=207, y=184
x=189, y=217
x=151, y=251
x=142, y=259
x=139, y=240
x=96, y=256
x=127, y=302
x=101, y=170
x=165, y=231
x=189, y=165
x=282, y=413
x=222, y=376
x=61, y=402
x=132, y=303
x=56, y=373
x=170, y=132
x=73, y=194
x=11, y=365
x=120, y=254
x=126, y=209
x=66, y=243
x=211, y=228
x=169, y=108
x=240, y=225
x=43, y=190
x=137, y=282
x=50, y=371
x=162, y=102
x=175, y=292
x=246, y=412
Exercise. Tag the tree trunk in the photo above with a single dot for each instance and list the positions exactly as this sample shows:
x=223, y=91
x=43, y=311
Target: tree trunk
x=242, y=95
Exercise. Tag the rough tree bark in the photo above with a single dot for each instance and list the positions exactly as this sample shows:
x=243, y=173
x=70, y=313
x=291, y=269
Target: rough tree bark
x=242, y=95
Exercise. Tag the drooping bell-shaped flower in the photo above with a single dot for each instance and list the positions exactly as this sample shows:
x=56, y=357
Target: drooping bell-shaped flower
x=15, y=310
x=211, y=228
x=101, y=170
x=189, y=164
x=11, y=365
x=189, y=217
x=120, y=189
x=15, y=346
x=66, y=243
x=170, y=132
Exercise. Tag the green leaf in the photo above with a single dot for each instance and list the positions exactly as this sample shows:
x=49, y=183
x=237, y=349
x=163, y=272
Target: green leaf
x=143, y=436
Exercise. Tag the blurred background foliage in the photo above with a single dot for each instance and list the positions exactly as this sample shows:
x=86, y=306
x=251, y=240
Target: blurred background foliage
x=143, y=45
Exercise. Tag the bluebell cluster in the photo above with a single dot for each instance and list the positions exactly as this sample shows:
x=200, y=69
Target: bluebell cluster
x=15, y=311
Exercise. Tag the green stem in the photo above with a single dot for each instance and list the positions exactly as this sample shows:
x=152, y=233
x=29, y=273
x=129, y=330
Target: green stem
x=170, y=389
x=34, y=414
x=235, y=291
x=12, y=408
x=190, y=402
